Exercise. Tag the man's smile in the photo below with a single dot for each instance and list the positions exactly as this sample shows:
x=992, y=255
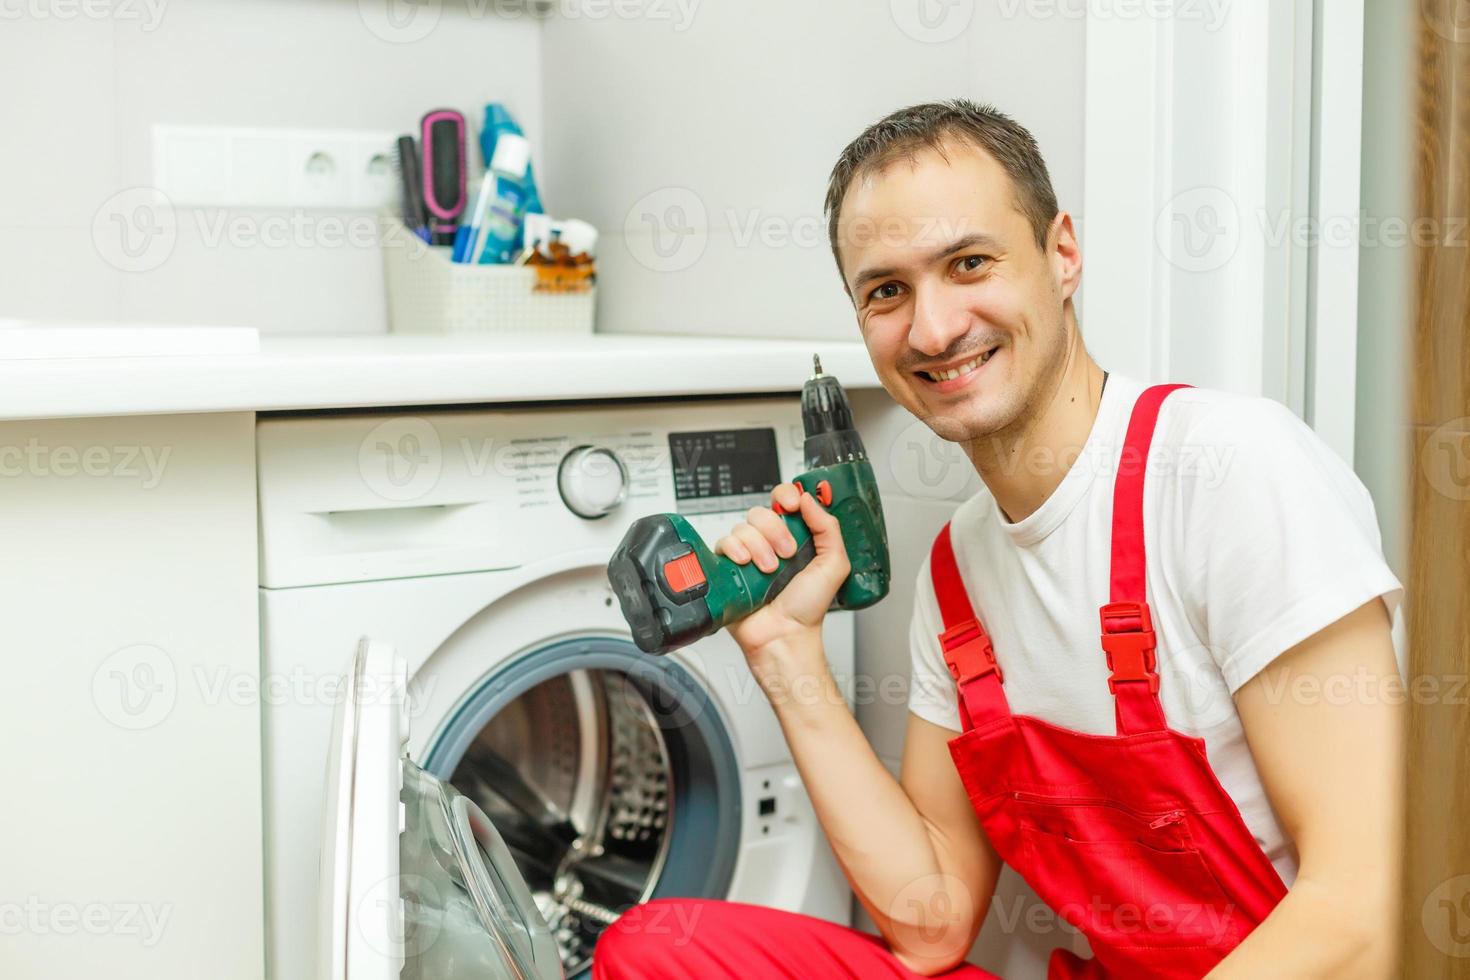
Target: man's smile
x=951, y=377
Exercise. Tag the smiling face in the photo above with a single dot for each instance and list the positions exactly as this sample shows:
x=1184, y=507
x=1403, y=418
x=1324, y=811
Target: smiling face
x=946, y=276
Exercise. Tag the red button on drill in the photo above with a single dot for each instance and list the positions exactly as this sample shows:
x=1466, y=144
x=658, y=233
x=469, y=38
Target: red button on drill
x=683, y=573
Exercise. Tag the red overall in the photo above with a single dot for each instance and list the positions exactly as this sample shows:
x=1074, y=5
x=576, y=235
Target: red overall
x=1129, y=837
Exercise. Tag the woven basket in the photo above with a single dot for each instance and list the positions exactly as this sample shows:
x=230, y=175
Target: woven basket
x=428, y=294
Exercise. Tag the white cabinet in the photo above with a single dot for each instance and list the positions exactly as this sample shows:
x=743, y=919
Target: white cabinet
x=132, y=716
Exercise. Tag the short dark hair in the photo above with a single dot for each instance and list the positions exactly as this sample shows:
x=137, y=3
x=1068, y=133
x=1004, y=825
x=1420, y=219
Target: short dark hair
x=928, y=125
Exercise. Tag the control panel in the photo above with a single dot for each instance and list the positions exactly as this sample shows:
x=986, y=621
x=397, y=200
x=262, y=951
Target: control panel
x=348, y=498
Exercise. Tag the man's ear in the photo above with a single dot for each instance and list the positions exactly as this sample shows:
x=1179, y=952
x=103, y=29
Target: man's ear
x=1064, y=254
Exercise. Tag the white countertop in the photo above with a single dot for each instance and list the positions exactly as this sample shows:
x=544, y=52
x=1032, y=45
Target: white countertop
x=358, y=372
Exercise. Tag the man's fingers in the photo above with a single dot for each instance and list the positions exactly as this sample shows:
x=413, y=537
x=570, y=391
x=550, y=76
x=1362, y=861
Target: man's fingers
x=731, y=548
x=760, y=549
x=774, y=528
x=787, y=496
x=764, y=538
x=826, y=530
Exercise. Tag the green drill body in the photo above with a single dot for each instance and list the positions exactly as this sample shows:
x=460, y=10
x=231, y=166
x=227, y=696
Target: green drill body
x=736, y=590
x=667, y=604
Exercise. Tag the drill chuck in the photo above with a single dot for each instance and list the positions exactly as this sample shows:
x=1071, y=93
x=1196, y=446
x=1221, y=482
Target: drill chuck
x=826, y=416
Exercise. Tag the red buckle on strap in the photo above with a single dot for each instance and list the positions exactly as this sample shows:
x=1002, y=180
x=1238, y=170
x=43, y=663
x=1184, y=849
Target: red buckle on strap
x=1128, y=640
x=968, y=652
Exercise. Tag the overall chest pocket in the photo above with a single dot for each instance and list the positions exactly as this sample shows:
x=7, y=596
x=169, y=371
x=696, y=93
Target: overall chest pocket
x=1125, y=878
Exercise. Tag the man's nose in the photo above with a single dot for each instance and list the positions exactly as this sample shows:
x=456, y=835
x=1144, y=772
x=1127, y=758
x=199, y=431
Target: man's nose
x=938, y=322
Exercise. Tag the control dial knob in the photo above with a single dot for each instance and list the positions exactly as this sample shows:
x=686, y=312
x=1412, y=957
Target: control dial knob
x=592, y=481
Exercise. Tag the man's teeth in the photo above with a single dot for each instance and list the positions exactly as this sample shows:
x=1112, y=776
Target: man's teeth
x=965, y=368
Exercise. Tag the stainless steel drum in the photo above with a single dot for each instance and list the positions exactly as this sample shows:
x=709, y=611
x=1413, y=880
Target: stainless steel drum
x=597, y=770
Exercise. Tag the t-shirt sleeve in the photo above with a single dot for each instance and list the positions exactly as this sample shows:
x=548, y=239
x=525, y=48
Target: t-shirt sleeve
x=932, y=694
x=1279, y=536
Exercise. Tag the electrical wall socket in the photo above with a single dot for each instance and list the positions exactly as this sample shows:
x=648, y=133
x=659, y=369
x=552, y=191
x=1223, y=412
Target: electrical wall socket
x=229, y=166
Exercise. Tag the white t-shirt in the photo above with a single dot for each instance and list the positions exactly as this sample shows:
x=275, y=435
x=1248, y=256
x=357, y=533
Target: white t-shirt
x=1257, y=536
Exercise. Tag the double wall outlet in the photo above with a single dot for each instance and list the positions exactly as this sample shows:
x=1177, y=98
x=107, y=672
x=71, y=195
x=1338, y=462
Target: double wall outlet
x=227, y=166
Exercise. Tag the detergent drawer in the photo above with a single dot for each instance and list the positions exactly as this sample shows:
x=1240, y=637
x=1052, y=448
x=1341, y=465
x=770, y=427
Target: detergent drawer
x=371, y=496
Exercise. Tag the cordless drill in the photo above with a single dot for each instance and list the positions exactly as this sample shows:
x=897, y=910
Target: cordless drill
x=674, y=590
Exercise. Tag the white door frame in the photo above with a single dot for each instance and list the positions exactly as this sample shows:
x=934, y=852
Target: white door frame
x=1221, y=197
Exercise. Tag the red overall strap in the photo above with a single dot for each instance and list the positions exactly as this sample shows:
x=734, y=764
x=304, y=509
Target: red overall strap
x=1127, y=627
x=967, y=648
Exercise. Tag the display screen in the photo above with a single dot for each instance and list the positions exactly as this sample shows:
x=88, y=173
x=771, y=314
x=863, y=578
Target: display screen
x=727, y=469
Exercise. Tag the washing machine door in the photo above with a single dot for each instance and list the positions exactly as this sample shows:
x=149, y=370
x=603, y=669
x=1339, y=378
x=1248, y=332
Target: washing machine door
x=415, y=881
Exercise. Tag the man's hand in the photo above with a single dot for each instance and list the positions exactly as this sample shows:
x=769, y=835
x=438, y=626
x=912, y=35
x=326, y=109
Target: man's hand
x=781, y=638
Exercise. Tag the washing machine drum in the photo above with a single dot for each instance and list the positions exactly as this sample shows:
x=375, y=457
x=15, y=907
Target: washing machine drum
x=572, y=783
x=608, y=776
x=415, y=880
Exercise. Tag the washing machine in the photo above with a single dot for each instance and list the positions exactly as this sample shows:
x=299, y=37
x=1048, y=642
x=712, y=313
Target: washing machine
x=469, y=550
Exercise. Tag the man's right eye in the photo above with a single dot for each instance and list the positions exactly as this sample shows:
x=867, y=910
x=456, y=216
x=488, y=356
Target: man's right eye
x=889, y=290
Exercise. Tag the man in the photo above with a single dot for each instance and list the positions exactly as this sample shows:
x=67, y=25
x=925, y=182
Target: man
x=1207, y=778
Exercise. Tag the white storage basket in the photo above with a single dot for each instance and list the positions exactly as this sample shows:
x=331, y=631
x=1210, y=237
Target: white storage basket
x=428, y=294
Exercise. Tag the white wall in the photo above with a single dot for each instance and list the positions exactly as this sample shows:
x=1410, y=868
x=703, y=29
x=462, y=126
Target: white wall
x=1385, y=289
x=743, y=105
x=709, y=141
x=83, y=94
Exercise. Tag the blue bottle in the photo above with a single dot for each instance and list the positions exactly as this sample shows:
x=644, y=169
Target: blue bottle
x=498, y=123
x=502, y=208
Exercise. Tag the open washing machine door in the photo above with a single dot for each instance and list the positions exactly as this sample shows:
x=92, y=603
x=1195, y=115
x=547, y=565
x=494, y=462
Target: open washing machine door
x=415, y=881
